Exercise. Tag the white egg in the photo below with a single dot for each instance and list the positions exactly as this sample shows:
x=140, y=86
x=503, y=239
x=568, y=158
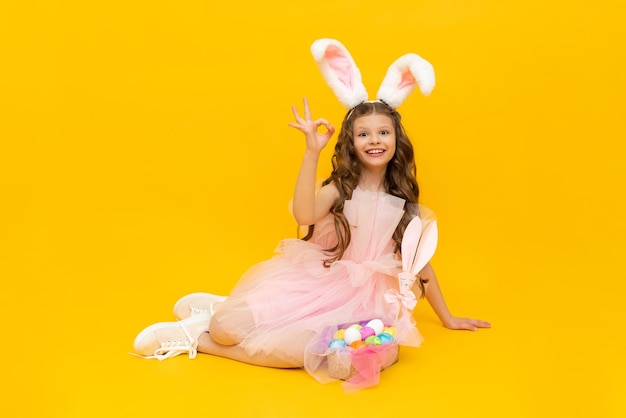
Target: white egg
x=377, y=325
x=351, y=335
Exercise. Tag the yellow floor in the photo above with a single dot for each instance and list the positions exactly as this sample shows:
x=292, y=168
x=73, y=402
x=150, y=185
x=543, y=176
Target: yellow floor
x=145, y=154
x=73, y=308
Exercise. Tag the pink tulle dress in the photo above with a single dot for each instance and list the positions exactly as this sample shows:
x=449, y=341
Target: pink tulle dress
x=295, y=301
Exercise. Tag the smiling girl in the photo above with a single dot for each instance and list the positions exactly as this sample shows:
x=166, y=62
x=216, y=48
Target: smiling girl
x=344, y=268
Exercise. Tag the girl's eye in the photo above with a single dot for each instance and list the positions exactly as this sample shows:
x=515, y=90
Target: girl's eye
x=384, y=132
x=362, y=134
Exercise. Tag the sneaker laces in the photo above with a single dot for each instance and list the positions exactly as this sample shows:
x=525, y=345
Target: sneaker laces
x=198, y=310
x=173, y=348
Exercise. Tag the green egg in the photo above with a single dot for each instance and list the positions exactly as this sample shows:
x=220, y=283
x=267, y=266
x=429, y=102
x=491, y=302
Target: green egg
x=373, y=340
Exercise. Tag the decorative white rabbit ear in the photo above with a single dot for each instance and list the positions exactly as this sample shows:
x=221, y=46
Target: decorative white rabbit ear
x=418, y=247
x=339, y=71
x=403, y=76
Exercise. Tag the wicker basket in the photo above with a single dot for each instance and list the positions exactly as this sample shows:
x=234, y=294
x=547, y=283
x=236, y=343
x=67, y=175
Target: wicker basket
x=340, y=363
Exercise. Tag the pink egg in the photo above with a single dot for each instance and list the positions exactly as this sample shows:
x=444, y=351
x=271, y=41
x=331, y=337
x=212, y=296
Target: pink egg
x=367, y=332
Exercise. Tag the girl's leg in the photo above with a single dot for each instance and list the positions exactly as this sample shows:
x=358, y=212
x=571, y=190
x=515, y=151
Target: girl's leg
x=228, y=326
x=234, y=352
x=225, y=334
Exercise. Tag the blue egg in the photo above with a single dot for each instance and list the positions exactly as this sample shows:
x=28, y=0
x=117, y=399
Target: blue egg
x=385, y=338
x=336, y=344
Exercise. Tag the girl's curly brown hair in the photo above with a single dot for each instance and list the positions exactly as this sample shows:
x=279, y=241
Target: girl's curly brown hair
x=400, y=179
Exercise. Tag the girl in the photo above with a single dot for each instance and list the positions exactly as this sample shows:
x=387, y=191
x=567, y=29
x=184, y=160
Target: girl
x=341, y=271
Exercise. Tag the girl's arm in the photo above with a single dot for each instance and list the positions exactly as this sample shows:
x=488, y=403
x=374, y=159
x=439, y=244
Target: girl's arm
x=438, y=303
x=309, y=207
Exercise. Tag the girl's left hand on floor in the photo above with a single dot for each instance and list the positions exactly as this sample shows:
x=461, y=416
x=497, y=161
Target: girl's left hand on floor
x=466, y=324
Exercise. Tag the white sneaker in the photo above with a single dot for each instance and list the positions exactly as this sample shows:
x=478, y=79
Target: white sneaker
x=196, y=304
x=168, y=339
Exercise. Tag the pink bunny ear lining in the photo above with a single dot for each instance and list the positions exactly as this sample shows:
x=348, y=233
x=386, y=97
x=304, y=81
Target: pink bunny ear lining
x=340, y=64
x=407, y=80
x=403, y=76
x=339, y=71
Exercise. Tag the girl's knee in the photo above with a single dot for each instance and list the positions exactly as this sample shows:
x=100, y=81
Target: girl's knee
x=226, y=332
x=219, y=335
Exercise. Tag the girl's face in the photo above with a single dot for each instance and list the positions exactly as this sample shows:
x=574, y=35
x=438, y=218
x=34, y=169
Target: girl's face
x=374, y=140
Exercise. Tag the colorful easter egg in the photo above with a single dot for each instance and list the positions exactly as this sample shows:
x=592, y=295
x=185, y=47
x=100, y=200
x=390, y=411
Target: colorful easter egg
x=336, y=344
x=339, y=334
x=358, y=344
x=355, y=326
x=373, y=340
x=351, y=335
x=377, y=325
x=385, y=338
x=390, y=330
x=367, y=332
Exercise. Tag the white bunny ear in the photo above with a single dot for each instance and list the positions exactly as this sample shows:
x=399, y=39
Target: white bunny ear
x=339, y=71
x=403, y=76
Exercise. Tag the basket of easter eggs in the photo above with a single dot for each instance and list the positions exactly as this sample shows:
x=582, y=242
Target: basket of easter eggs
x=358, y=346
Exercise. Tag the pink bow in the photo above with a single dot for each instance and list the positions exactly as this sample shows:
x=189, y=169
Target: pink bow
x=408, y=299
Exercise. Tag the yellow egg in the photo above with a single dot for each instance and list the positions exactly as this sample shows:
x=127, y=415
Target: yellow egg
x=390, y=330
x=339, y=334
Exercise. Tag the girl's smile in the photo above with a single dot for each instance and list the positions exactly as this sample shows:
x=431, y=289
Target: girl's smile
x=375, y=152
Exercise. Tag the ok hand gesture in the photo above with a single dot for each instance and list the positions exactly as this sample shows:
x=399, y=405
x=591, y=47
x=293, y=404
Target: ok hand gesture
x=315, y=141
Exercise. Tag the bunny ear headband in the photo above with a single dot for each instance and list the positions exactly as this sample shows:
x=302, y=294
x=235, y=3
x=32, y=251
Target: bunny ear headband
x=344, y=78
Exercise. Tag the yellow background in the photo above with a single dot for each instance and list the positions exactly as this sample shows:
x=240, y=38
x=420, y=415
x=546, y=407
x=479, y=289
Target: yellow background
x=145, y=154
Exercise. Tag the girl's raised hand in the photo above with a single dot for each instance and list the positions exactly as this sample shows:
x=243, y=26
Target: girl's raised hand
x=315, y=141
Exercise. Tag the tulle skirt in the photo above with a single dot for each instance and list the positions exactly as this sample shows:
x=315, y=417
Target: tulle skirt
x=295, y=302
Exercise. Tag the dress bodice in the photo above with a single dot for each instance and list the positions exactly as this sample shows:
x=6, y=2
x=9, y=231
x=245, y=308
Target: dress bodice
x=373, y=218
